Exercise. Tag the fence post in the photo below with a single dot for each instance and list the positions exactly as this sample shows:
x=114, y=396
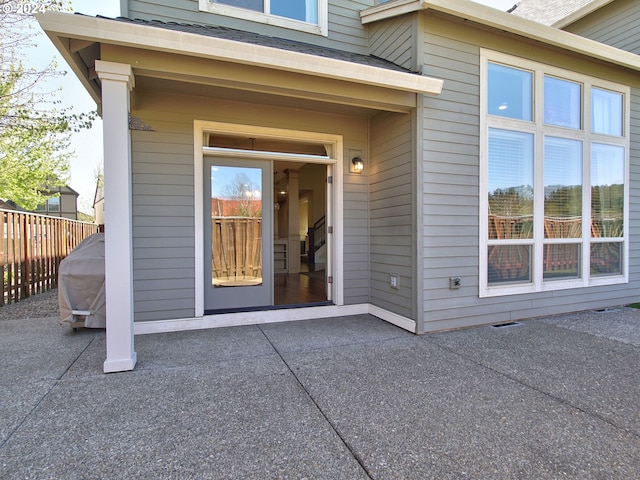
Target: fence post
x=25, y=268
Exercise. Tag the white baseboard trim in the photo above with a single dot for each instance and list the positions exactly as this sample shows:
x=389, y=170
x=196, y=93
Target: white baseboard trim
x=270, y=316
x=394, y=318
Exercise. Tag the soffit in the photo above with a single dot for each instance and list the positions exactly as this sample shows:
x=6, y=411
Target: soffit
x=157, y=87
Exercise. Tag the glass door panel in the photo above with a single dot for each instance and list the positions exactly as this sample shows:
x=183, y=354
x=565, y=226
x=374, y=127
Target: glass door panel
x=237, y=234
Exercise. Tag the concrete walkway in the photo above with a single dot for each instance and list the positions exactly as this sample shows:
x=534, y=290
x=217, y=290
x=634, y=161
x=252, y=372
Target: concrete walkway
x=348, y=398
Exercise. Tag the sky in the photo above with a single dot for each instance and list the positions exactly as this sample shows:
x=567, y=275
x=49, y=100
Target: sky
x=87, y=145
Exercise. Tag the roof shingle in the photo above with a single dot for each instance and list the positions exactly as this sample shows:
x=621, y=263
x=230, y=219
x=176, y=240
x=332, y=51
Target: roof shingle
x=547, y=12
x=267, y=41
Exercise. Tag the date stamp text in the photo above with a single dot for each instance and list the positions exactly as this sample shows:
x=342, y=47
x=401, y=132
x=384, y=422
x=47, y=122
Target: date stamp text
x=24, y=8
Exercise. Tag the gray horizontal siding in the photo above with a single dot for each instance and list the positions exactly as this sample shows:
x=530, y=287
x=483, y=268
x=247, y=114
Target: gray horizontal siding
x=163, y=225
x=163, y=222
x=615, y=24
x=450, y=169
x=392, y=213
x=450, y=173
x=345, y=29
x=356, y=231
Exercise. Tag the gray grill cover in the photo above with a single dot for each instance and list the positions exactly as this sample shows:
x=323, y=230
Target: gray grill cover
x=81, y=282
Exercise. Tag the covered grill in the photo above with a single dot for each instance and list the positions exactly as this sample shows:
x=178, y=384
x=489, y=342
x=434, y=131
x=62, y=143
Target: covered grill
x=81, y=289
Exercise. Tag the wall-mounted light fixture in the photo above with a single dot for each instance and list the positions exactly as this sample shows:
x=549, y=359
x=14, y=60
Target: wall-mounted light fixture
x=357, y=165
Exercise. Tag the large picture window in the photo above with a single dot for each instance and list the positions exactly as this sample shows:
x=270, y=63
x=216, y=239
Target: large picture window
x=305, y=15
x=554, y=178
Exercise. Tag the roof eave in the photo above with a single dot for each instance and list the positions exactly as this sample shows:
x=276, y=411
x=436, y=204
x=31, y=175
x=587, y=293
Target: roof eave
x=506, y=22
x=61, y=25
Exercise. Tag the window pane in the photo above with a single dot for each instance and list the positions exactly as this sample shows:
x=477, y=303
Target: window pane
x=53, y=204
x=607, y=190
x=606, y=112
x=509, y=264
x=236, y=226
x=257, y=5
x=303, y=10
x=606, y=259
x=562, y=188
x=562, y=103
x=561, y=261
x=510, y=92
x=510, y=184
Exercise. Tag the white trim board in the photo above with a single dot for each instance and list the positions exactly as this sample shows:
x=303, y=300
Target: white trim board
x=334, y=210
x=271, y=316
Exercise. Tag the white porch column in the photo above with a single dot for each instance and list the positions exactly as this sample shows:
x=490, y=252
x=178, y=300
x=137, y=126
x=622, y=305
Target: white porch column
x=117, y=81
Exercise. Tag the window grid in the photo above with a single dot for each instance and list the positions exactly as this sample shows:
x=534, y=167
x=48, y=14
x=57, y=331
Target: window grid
x=579, y=275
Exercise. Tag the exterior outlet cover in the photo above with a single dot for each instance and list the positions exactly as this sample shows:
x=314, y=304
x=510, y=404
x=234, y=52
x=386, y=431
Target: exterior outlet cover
x=394, y=281
x=455, y=282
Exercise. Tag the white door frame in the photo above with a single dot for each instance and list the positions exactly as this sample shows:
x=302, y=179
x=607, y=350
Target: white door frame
x=335, y=159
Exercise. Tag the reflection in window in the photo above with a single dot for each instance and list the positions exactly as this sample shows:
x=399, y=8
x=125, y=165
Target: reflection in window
x=257, y=5
x=236, y=226
x=606, y=112
x=510, y=184
x=562, y=188
x=606, y=258
x=510, y=92
x=303, y=10
x=561, y=261
x=562, y=103
x=540, y=231
x=607, y=191
x=509, y=264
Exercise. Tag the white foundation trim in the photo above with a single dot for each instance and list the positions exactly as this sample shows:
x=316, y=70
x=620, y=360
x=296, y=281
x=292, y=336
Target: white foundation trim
x=393, y=318
x=270, y=316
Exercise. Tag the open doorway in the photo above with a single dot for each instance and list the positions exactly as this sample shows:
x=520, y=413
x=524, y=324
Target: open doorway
x=300, y=248
x=267, y=214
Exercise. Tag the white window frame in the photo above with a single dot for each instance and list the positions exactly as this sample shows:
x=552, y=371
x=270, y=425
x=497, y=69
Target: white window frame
x=321, y=28
x=540, y=130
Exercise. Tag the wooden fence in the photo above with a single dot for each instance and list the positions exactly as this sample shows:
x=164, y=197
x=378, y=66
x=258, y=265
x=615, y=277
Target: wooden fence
x=31, y=249
x=236, y=250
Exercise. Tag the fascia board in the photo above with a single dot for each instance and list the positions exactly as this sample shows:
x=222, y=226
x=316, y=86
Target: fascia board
x=158, y=39
x=505, y=22
x=581, y=13
x=388, y=10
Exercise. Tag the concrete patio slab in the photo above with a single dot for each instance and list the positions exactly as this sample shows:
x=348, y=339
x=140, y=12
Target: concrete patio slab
x=349, y=398
x=591, y=373
x=243, y=418
x=416, y=410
